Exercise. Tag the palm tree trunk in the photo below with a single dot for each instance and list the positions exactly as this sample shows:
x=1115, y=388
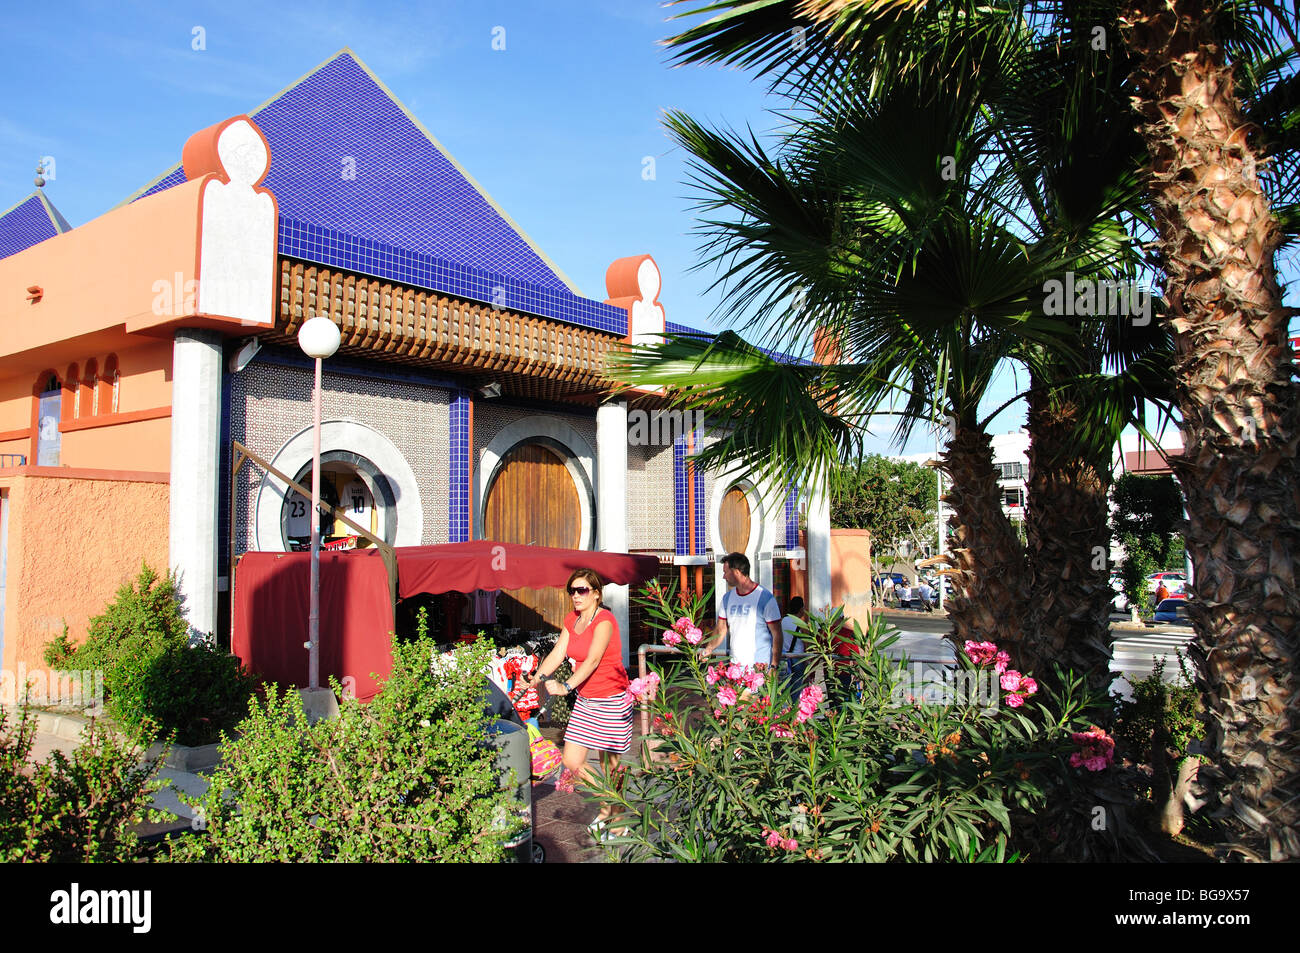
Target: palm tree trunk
x=1067, y=525
x=1240, y=409
x=992, y=589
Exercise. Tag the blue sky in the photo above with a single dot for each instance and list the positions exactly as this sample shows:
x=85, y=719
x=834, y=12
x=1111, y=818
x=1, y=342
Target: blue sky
x=557, y=127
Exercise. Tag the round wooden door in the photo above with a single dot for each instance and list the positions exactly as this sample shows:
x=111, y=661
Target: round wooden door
x=733, y=521
x=533, y=500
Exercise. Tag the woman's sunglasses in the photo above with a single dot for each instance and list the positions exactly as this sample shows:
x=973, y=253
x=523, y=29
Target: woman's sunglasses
x=579, y=590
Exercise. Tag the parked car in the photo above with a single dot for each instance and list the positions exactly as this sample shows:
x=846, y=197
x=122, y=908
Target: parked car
x=1173, y=611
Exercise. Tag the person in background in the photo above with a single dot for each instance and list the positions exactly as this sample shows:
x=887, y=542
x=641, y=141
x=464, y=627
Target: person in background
x=1162, y=593
x=601, y=716
x=926, y=596
x=750, y=615
x=795, y=613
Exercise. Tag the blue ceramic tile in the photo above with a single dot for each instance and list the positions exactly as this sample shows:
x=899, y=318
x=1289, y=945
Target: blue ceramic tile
x=407, y=213
x=28, y=223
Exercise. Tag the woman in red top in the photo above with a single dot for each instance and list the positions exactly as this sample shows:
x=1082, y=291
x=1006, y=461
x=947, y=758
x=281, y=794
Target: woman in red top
x=601, y=716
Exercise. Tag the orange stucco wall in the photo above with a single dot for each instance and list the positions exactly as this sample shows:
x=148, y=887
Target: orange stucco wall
x=146, y=376
x=123, y=444
x=72, y=542
x=101, y=274
x=851, y=573
x=16, y=402
x=140, y=445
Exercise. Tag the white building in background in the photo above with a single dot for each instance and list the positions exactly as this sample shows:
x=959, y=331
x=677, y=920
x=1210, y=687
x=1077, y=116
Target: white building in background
x=1010, y=461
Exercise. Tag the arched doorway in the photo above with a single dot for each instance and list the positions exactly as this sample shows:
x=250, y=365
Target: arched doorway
x=533, y=500
x=733, y=520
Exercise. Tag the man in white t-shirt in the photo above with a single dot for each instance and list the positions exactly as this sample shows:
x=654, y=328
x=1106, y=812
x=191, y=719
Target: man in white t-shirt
x=749, y=615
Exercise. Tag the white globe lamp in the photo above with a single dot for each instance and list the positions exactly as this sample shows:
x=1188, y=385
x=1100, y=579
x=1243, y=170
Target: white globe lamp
x=319, y=337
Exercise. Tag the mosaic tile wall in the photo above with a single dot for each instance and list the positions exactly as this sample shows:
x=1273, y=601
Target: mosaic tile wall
x=707, y=481
x=792, y=517
x=649, y=498
x=458, y=475
x=270, y=402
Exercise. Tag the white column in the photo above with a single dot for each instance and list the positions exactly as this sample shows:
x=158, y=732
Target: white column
x=819, y=549
x=611, y=502
x=195, y=462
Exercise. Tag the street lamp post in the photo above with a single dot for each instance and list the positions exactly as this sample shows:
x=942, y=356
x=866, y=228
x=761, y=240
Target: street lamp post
x=319, y=339
x=938, y=514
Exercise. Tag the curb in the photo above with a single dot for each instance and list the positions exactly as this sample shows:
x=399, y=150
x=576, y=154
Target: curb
x=68, y=727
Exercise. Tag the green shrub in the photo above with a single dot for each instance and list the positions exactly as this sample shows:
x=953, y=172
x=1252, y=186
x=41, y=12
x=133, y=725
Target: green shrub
x=155, y=682
x=877, y=770
x=79, y=810
x=407, y=777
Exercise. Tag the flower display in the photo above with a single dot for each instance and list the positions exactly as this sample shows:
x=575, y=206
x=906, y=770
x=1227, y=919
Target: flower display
x=672, y=639
x=1098, y=749
x=726, y=695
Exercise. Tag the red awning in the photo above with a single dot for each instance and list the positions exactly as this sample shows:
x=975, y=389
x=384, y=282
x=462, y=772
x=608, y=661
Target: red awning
x=272, y=590
x=484, y=564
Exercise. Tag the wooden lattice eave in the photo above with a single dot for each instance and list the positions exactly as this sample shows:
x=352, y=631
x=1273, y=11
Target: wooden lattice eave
x=530, y=357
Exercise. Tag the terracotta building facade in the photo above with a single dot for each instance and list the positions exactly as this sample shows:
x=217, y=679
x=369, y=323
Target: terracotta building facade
x=468, y=398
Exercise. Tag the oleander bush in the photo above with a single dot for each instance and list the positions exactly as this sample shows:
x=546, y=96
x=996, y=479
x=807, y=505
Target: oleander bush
x=870, y=762
x=156, y=683
x=71, y=810
x=407, y=777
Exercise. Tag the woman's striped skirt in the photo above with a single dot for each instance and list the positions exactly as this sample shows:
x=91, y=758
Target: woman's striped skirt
x=604, y=723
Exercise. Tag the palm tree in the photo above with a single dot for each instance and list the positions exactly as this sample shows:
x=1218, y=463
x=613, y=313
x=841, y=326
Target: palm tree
x=1208, y=189
x=917, y=269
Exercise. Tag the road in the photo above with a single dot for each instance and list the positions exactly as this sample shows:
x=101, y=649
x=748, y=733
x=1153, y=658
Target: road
x=1135, y=651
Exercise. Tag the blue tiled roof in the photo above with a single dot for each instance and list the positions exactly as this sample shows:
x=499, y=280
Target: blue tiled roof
x=28, y=223
x=781, y=357
x=362, y=186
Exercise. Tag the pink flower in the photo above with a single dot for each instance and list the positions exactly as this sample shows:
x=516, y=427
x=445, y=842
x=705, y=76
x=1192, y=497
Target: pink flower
x=712, y=675
x=1098, y=750
x=1011, y=681
x=644, y=687
x=564, y=782
x=771, y=838
x=735, y=672
x=811, y=696
x=726, y=695
x=754, y=680
x=790, y=844
x=1015, y=701
x=781, y=731
x=981, y=653
x=1000, y=662
x=672, y=639
x=1028, y=685
x=694, y=635
x=684, y=625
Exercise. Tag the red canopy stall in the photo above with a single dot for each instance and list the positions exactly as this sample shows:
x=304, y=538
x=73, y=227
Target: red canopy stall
x=271, y=595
